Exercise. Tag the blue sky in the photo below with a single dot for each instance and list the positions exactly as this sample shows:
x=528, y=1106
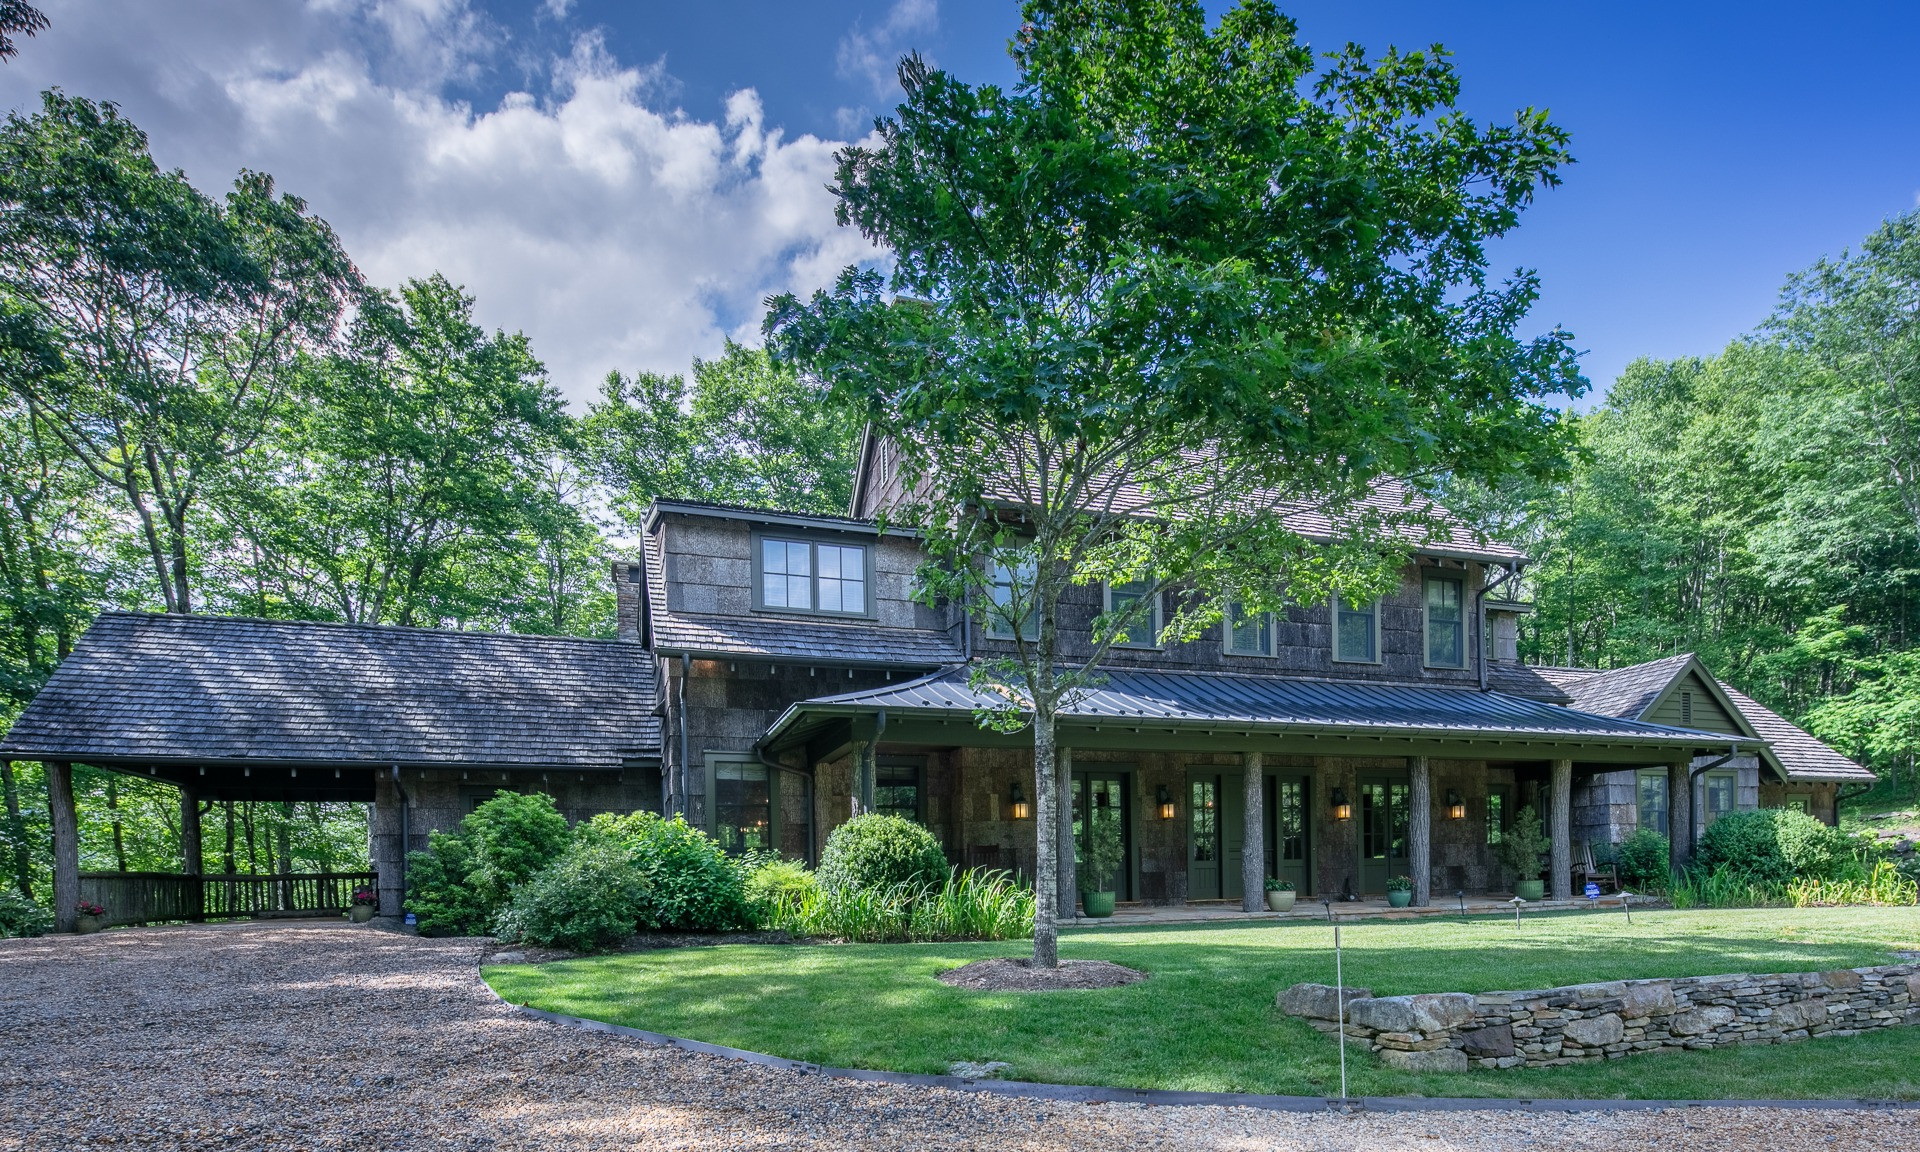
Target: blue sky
x=625, y=182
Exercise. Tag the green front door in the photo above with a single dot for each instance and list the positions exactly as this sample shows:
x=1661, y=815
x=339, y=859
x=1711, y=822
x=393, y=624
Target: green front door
x=1383, y=830
x=1216, y=834
x=1106, y=796
x=1287, y=801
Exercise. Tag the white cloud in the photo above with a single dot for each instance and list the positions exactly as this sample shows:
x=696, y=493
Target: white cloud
x=617, y=231
x=874, y=54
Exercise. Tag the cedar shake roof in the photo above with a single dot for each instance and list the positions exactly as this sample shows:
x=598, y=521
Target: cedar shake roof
x=1206, y=698
x=142, y=688
x=1628, y=692
x=822, y=639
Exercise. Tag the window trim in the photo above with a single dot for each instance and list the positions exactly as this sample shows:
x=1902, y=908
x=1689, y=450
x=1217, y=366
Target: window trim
x=1272, y=650
x=813, y=543
x=1639, y=816
x=1426, y=620
x=1379, y=656
x=1155, y=623
x=712, y=821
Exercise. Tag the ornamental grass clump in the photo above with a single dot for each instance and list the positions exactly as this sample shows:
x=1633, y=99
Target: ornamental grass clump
x=975, y=904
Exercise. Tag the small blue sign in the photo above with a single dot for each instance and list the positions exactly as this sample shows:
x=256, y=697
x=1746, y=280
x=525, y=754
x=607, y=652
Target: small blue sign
x=414, y=921
x=1593, y=891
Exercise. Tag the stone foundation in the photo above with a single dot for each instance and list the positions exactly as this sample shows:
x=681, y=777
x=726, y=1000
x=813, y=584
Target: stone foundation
x=1455, y=1031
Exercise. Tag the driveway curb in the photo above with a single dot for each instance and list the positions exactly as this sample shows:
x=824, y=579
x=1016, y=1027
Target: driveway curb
x=1090, y=1094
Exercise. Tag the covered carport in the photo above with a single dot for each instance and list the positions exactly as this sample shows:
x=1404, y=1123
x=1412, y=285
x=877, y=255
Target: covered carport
x=419, y=723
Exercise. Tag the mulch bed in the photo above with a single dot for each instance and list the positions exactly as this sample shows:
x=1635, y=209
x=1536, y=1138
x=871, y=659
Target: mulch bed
x=1009, y=974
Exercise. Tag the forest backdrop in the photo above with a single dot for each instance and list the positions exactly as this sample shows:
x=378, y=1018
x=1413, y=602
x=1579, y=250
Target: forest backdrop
x=204, y=408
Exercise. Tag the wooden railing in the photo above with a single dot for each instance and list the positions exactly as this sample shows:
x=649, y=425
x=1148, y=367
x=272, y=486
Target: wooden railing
x=155, y=897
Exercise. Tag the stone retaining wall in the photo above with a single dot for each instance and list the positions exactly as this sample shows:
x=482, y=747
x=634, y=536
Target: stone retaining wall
x=1454, y=1031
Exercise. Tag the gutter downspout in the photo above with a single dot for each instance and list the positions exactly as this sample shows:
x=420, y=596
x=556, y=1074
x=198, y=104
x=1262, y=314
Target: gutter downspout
x=686, y=664
x=406, y=835
x=1480, y=618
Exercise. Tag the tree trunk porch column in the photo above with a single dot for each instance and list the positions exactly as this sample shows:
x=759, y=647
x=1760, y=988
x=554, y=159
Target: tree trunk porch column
x=1560, y=856
x=1420, y=828
x=1253, y=849
x=66, y=845
x=1680, y=814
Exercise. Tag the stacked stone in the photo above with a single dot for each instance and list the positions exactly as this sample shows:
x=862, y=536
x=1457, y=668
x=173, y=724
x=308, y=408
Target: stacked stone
x=1454, y=1031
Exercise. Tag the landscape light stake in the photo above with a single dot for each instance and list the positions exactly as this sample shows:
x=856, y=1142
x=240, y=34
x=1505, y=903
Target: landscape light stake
x=1516, y=912
x=1626, y=905
x=1463, y=902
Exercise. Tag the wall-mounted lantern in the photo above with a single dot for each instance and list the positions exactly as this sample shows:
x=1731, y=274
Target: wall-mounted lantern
x=1342, y=807
x=1456, y=807
x=1165, y=801
x=1017, y=804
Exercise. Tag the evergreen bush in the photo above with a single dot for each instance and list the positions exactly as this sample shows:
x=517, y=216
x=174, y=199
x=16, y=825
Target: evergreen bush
x=1644, y=860
x=467, y=877
x=878, y=851
x=692, y=884
x=20, y=916
x=1770, y=846
x=440, y=894
x=588, y=900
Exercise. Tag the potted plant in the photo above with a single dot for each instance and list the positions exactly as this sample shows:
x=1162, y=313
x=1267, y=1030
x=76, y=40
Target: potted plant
x=1523, y=850
x=364, y=902
x=1100, y=858
x=89, y=918
x=1400, y=891
x=1280, y=895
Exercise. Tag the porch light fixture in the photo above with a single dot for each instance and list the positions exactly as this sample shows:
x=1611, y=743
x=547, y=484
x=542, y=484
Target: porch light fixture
x=1017, y=804
x=1342, y=807
x=1165, y=801
x=1456, y=807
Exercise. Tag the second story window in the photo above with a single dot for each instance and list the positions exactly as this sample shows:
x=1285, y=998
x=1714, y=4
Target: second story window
x=1249, y=633
x=1446, y=621
x=811, y=576
x=1356, y=631
x=1006, y=581
x=1143, y=630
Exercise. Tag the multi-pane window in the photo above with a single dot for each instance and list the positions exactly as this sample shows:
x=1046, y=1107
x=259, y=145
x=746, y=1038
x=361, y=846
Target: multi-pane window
x=809, y=576
x=742, y=806
x=1292, y=803
x=896, y=789
x=1650, y=793
x=1356, y=631
x=1446, y=622
x=1143, y=630
x=1204, y=833
x=1719, y=795
x=1249, y=633
x=1009, y=580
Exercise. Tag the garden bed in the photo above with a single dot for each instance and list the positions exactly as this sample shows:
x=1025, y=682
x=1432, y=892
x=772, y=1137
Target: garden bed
x=1206, y=1019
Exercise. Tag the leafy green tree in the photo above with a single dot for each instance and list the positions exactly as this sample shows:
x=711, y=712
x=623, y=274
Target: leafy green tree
x=416, y=451
x=173, y=317
x=747, y=431
x=1177, y=279
x=18, y=18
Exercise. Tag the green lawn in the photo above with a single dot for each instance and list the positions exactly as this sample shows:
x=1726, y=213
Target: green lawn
x=1206, y=1020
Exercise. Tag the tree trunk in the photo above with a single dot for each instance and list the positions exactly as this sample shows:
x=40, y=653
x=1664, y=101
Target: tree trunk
x=1046, y=880
x=1561, y=853
x=231, y=869
x=1069, y=878
x=191, y=861
x=17, y=831
x=1679, y=816
x=66, y=845
x=113, y=814
x=1420, y=828
x=1253, y=847
x=253, y=847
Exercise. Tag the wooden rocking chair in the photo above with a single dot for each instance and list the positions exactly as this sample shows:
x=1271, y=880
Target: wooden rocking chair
x=1586, y=871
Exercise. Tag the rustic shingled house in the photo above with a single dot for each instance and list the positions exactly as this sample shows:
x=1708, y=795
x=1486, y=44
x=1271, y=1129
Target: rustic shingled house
x=774, y=674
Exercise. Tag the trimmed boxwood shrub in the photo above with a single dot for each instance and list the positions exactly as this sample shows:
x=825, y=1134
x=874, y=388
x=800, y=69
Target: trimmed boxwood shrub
x=1769, y=846
x=588, y=900
x=1645, y=860
x=877, y=851
x=692, y=885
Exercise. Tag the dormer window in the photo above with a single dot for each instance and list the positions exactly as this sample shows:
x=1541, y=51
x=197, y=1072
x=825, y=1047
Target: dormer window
x=1356, y=631
x=811, y=576
x=1143, y=630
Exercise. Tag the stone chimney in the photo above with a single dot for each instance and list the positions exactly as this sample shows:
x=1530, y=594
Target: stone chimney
x=629, y=590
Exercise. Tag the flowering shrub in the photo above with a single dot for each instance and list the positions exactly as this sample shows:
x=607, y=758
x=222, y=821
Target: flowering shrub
x=86, y=909
x=365, y=896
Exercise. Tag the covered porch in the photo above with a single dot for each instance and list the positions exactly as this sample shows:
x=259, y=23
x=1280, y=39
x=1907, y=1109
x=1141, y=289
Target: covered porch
x=1220, y=783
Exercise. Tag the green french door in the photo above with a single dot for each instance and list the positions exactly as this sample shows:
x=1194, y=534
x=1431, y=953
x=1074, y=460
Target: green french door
x=1216, y=835
x=1106, y=796
x=1287, y=800
x=1383, y=830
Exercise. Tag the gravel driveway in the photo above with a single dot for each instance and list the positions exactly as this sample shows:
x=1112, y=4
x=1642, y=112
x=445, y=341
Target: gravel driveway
x=323, y=1036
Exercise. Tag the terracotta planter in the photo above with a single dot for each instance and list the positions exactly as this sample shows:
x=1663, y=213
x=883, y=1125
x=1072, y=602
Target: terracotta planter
x=1399, y=899
x=88, y=925
x=360, y=913
x=1097, y=904
x=1530, y=889
x=1280, y=901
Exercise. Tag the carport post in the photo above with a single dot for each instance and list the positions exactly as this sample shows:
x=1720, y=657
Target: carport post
x=1679, y=815
x=66, y=845
x=191, y=860
x=1420, y=828
x=1560, y=854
